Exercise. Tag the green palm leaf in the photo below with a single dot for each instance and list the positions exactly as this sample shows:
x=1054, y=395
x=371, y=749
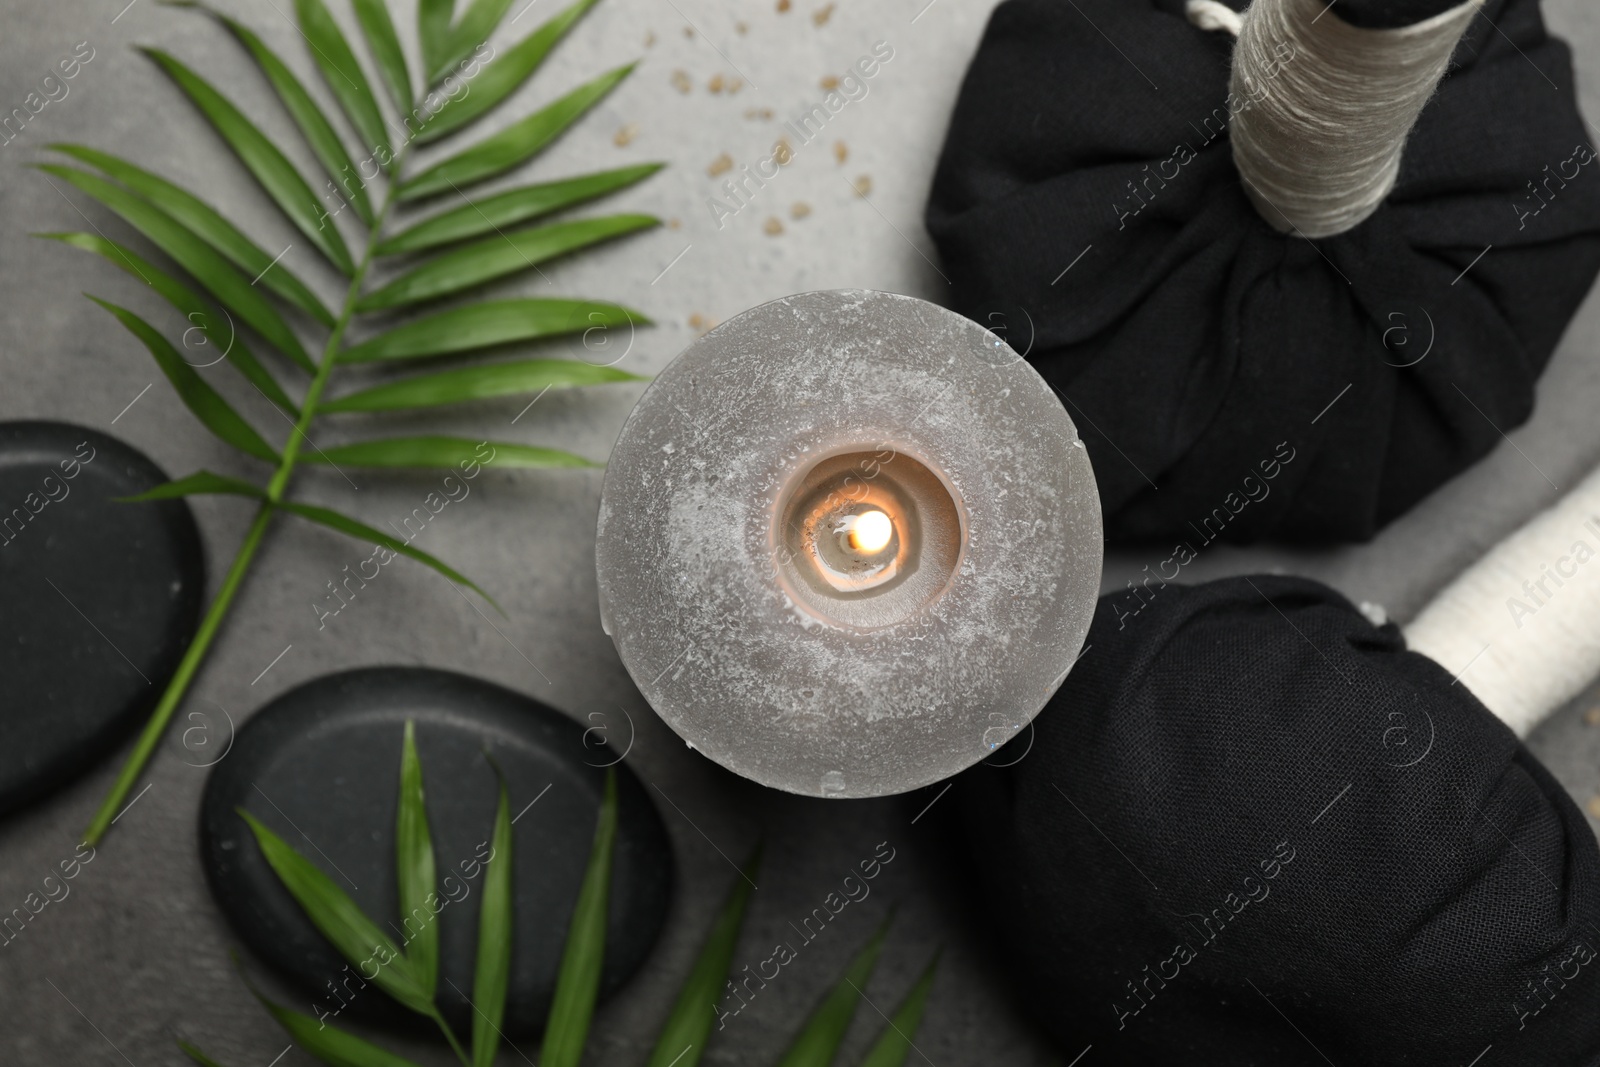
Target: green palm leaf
x=263, y=159
x=479, y=383
x=330, y=909
x=438, y=453
x=343, y=76
x=819, y=1041
x=206, y=403
x=496, y=257
x=895, y=1045
x=494, y=322
x=332, y=1046
x=194, y=255
x=189, y=304
x=314, y=125
x=683, y=1038
x=210, y=226
x=578, y=979
x=196, y=484
x=414, y=867
x=493, y=972
x=477, y=23
x=384, y=44
x=500, y=78
x=515, y=144
x=433, y=31
x=362, y=532
x=515, y=206
x=193, y=1052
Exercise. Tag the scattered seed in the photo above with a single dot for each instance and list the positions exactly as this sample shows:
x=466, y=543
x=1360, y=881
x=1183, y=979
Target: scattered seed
x=1592, y=716
x=715, y=84
x=783, y=5
x=821, y=15
x=625, y=135
x=721, y=165
x=841, y=152
x=829, y=83
x=863, y=185
x=800, y=210
x=697, y=321
x=1593, y=807
x=762, y=113
x=681, y=81
x=650, y=39
x=688, y=31
x=773, y=227
x=734, y=85
x=741, y=28
x=782, y=154
x=674, y=224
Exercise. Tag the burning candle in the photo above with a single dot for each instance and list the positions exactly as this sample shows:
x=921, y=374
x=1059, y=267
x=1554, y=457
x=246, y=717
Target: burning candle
x=849, y=543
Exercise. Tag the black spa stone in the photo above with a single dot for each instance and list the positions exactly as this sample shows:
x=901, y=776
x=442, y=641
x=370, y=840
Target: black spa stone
x=320, y=766
x=98, y=600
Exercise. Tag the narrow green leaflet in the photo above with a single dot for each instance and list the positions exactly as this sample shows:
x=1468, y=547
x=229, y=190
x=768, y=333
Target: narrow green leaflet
x=314, y=125
x=197, y=395
x=414, y=869
x=898, y=1038
x=193, y=1052
x=362, y=532
x=494, y=322
x=206, y=223
x=479, y=383
x=204, y=264
x=263, y=159
x=336, y=916
x=824, y=1031
x=493, y=972
x=578, y=979
x=514, y=144
x=433, y=31
x=477, y=23
x=683, y=1038
x=445, y=452
x=384, y=44
x=496, y=257
x=197, y=484
x=510, y=208
x=343, y=75
x=191, y=306
x=333, y=1047
x=503, y=74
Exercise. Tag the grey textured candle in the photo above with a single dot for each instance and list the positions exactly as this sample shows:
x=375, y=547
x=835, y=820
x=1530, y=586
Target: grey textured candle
x=849, y=544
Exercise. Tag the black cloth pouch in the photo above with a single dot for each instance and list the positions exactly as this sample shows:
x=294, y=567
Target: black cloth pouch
x=1086, y=208
x=1252, y=829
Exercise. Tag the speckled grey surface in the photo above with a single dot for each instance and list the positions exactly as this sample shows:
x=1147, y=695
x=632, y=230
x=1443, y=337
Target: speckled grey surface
x=138, y=951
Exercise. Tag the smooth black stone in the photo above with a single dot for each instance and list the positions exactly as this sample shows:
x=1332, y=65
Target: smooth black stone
x=320, y=765
x=98, y=600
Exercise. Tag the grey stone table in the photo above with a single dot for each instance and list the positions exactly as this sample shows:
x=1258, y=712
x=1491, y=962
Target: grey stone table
x=138, y=952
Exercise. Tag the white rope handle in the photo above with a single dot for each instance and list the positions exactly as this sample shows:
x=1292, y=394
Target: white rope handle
x=1521, y=628
x=1321, y=109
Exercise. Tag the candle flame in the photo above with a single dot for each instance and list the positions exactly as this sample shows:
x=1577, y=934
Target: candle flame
x=870, y=532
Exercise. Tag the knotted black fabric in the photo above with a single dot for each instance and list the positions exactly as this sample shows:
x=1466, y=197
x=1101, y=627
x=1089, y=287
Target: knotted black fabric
x=1252, y=829
x=1086, y=207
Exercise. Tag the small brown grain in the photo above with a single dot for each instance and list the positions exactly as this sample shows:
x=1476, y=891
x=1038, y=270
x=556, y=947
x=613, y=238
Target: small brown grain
x=772, y=226
x=841, y=152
